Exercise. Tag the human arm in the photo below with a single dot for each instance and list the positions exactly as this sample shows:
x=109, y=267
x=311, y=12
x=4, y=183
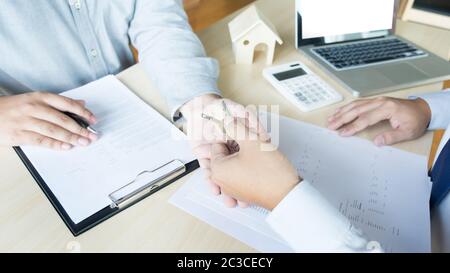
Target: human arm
x=261, y=175
x=409, y=118
x=36, y=119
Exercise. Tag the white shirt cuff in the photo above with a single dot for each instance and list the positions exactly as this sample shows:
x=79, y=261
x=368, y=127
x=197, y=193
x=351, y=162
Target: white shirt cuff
x=309, y=223
x=439, y=104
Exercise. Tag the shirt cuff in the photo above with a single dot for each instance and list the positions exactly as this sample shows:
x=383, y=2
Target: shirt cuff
x=439, y=104
x=176, y=104
x=309, y=223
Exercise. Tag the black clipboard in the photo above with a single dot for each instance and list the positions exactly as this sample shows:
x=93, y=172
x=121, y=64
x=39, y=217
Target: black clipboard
x=117, y=204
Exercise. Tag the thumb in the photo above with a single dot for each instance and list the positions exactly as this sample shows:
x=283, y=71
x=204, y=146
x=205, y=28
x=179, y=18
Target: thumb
x=390, y=137
x=221, y=163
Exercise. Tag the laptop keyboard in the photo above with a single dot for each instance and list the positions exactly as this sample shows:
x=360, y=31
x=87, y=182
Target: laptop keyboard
x=364, y=53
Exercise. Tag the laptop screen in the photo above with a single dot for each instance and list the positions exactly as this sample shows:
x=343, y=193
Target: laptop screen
x=322, y=18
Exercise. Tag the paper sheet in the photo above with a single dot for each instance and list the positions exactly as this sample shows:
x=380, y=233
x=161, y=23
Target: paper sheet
x=384, y=191
x=134, y=138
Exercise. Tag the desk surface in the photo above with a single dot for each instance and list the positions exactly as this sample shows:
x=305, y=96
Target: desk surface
x=28, y=223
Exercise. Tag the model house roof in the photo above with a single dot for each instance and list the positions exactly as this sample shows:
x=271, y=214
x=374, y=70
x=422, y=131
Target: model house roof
x=249, y=19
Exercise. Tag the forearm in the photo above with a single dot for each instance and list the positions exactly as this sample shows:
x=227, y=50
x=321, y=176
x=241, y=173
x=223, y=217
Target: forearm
x=171, y=53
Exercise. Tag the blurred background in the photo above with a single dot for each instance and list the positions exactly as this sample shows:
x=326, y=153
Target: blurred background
x=203, y=13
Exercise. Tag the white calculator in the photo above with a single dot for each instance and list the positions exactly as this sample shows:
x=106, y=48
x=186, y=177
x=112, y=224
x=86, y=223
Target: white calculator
x=301, y=86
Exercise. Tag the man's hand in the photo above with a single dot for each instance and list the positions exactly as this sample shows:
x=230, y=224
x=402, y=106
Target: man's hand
x=36, y=119
x=409, y=119
x=255, y=175
x=203, y=134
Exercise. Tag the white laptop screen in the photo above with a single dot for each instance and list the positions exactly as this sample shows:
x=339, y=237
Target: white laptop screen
x=322, y=18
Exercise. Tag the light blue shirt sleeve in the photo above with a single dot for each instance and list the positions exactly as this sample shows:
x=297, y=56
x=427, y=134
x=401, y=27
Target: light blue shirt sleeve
x=440, y=109
x=56, y=46
x=171, y=53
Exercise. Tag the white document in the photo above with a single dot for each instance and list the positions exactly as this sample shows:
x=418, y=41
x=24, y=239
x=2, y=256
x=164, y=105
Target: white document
x=134, y=138
x=383, y=191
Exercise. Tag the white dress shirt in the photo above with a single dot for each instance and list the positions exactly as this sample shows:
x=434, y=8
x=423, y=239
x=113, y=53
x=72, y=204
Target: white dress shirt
x=329, y=230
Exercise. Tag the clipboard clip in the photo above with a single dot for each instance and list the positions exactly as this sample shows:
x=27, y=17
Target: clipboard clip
x=146, y=183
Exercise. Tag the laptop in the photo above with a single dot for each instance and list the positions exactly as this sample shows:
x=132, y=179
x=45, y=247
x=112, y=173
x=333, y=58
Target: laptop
x=354, y=41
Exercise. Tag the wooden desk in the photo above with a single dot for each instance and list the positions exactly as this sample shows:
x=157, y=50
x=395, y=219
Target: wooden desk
x=28, y=223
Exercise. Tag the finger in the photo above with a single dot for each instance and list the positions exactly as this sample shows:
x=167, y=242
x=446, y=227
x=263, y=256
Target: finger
x=219, y=151
x=391, y=137
x=242, y=135
x=68, y=105
x=363, y=121
x=347, y=108
x=352, y=114
x=56, y=132
x=211, y=131
x=251, y=116
x=255, y=124
x=36, y=139
x=204, y=163
x=235, y=109
x=243, y=204
x=202, y=151
x=56, y=117
x=214, y=188
x=229, y=201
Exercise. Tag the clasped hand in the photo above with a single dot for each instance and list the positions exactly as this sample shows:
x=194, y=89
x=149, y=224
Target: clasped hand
x=264, y=176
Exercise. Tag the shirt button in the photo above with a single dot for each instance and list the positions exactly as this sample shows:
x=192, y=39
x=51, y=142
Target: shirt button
x=75, y=3
x=94, y=53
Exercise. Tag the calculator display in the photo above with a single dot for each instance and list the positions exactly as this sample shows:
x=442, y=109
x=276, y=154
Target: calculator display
x=289, y=74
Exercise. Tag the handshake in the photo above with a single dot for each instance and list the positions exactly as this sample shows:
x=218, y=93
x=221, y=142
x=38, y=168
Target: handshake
x=247, y=169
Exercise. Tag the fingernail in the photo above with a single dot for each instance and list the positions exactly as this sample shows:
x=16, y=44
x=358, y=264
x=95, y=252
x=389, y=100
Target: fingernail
x=93, y=120
x=379, y=141
x=345, y=133
x=66, y=146
x=83, y=141
x=230, y=204
x=332, y=126
x=93, y=137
